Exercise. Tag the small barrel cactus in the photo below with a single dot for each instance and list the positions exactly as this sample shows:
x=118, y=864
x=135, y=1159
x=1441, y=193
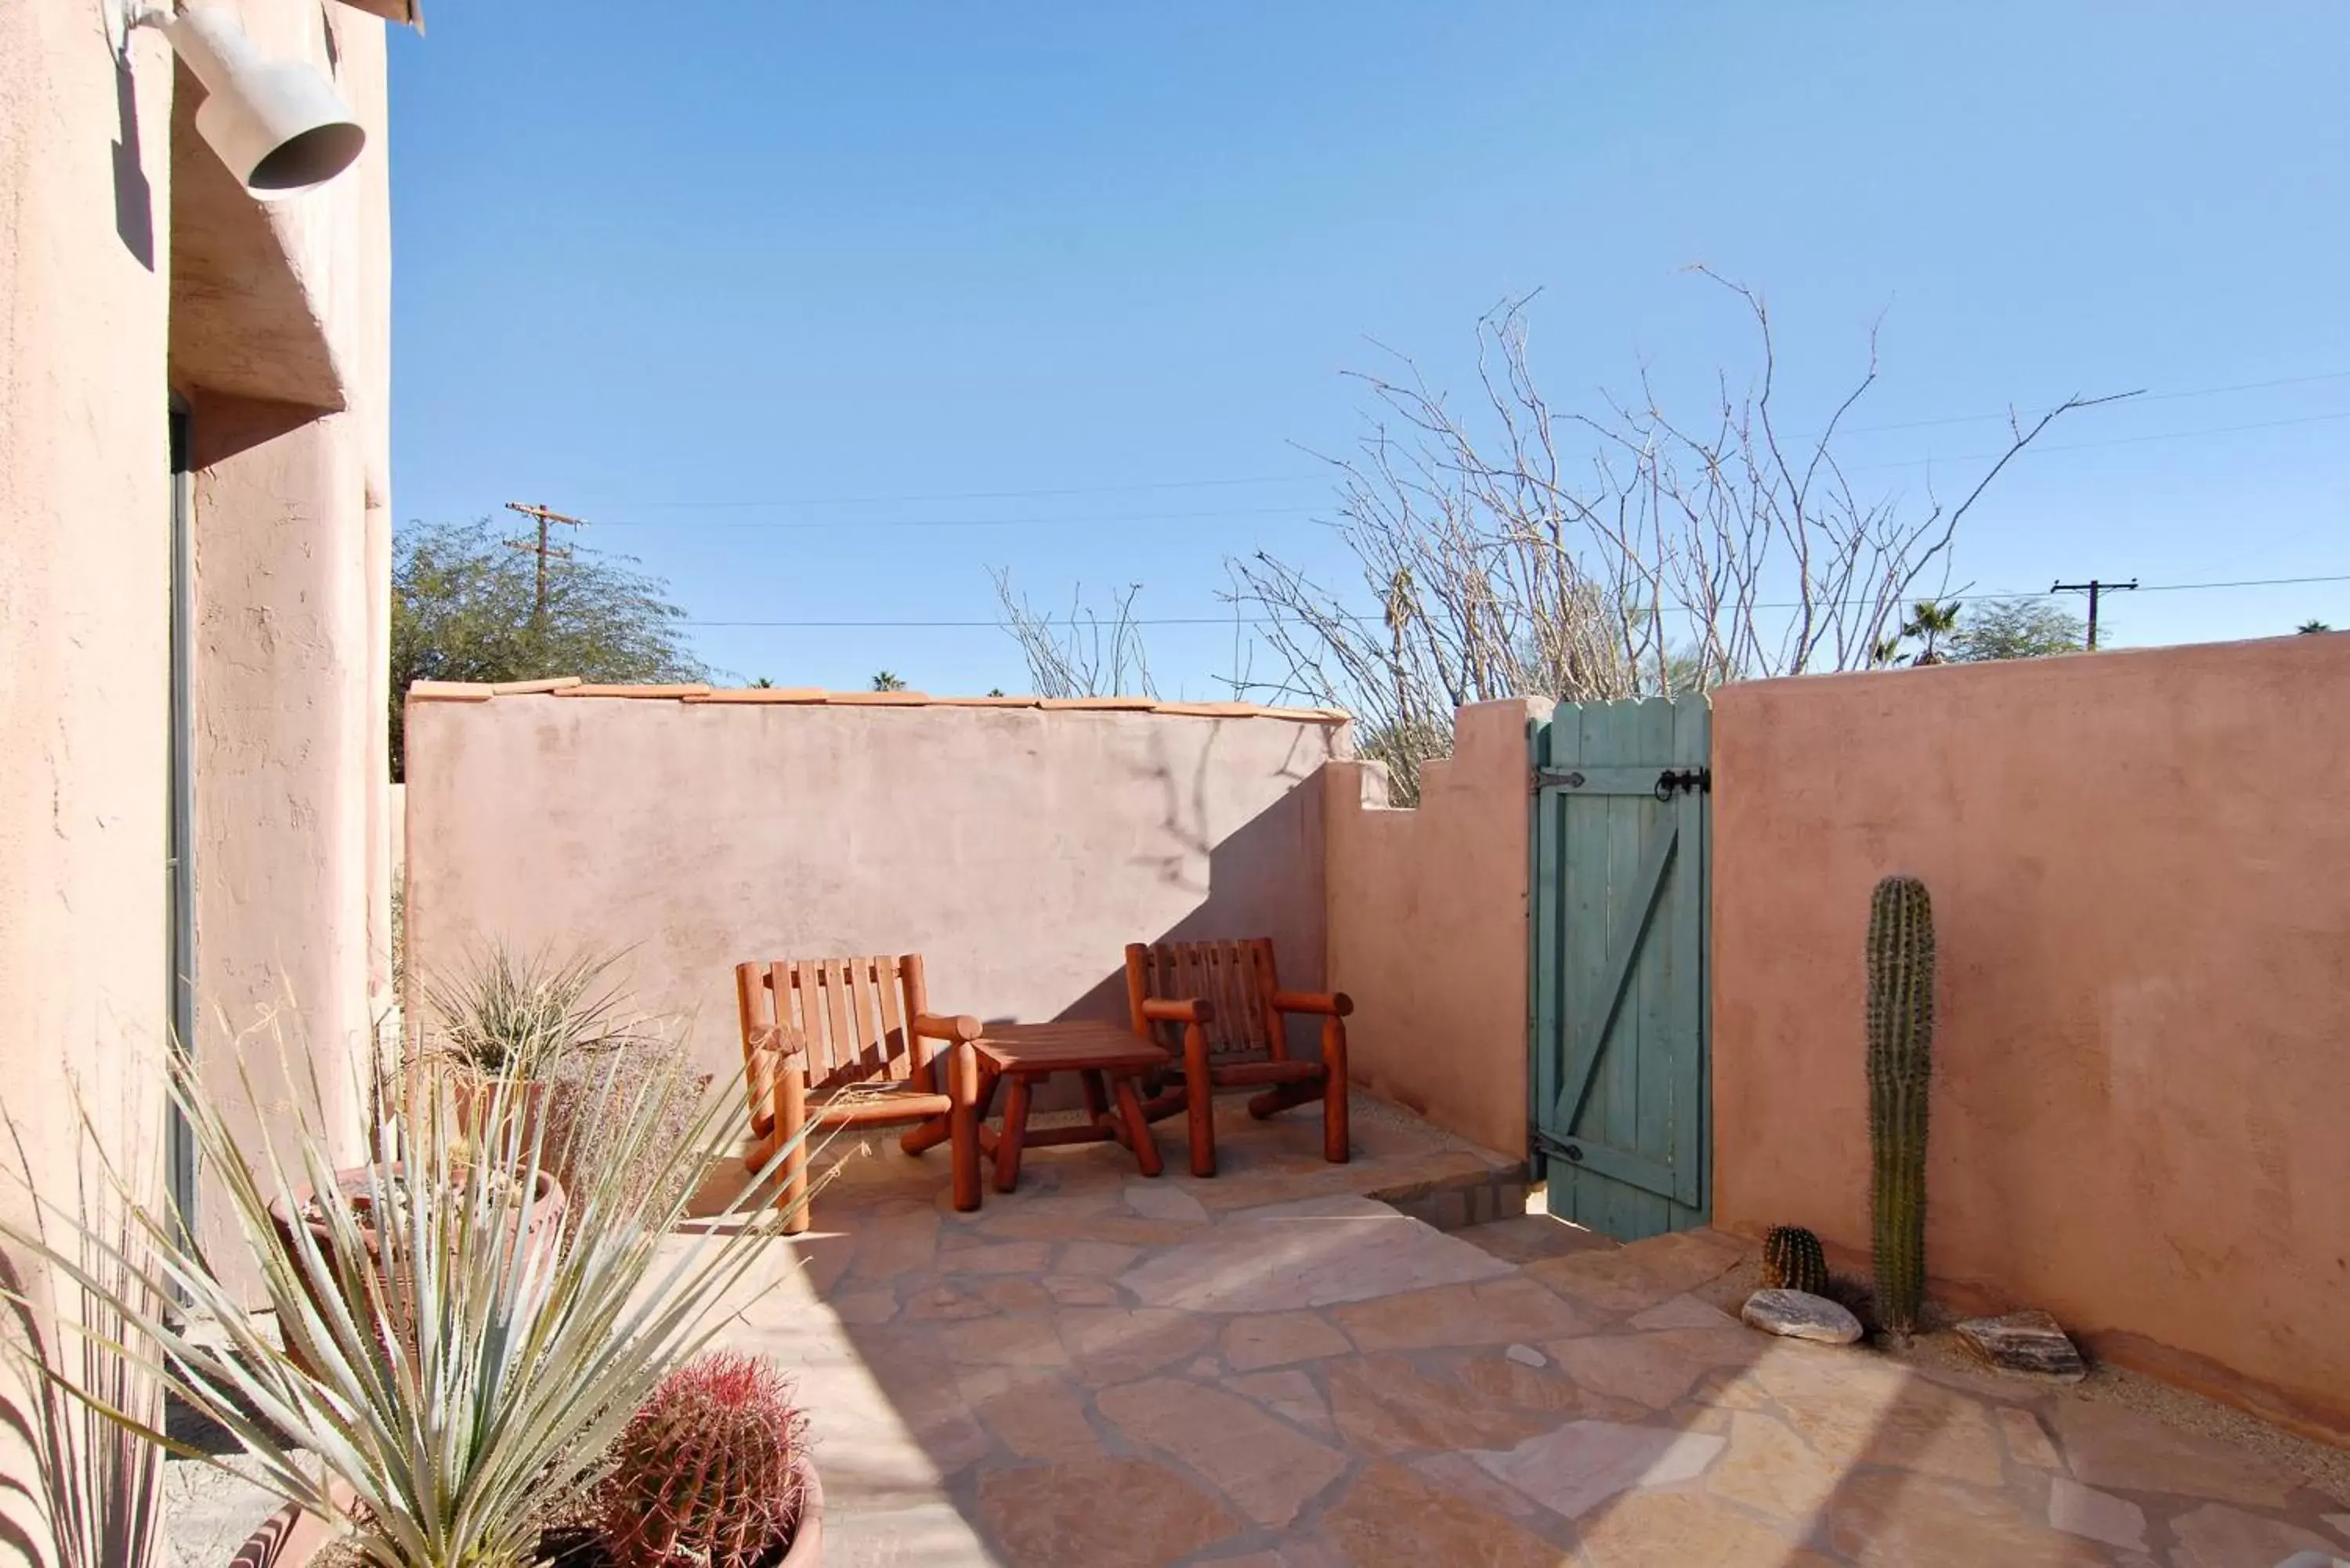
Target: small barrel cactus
x=1900, y=1067
x=1792, y=1261
x=707, y=1472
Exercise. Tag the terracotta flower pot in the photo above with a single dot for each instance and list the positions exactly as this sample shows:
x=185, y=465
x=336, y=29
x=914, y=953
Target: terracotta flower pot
x=807, y=1549
x=545, y=1219
x=286, y=1539
x=291, y=1538
x=524, y=1099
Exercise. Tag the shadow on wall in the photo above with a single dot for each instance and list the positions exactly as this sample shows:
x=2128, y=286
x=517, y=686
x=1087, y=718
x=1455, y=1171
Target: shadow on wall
x=1253, y=886
x=134, y=195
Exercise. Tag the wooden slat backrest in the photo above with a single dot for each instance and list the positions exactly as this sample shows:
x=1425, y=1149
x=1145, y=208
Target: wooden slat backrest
x=853, y=1015
x=1237, y=977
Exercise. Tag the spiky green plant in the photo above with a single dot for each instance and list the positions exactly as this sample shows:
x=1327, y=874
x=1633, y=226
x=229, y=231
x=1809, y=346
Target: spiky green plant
x=1792, y=1259
x=462, y=1376
x=708, y=1470
x=1901, y=1067
x=507, y=1013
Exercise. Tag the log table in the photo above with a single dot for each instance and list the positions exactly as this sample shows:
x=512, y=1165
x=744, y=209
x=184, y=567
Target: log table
x=1107, y=1058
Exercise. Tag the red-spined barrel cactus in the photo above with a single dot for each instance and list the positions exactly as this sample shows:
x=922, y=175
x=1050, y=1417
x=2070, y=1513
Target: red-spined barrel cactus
x=707, y=1472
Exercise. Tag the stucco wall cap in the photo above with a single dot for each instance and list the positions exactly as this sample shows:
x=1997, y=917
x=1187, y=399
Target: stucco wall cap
x=450, y=692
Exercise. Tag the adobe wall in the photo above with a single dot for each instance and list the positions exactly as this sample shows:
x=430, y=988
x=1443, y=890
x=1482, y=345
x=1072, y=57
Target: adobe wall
x=2140, y=870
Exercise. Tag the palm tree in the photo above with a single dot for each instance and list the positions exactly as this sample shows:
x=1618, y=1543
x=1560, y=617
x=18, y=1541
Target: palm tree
x=1929, y=623
x=2309, y=625
x=889, y=681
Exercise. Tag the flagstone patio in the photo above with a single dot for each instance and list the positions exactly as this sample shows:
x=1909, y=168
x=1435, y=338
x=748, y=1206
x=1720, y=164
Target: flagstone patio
x=1274, y=1369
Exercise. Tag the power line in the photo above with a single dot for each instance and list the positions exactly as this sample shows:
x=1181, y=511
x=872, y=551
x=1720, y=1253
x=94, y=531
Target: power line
x=992, y=522
x=2138, y=398
x=2037, y=448
x=982, y=494
x=1314, y=512
x=1370, y=618
x=745, y=505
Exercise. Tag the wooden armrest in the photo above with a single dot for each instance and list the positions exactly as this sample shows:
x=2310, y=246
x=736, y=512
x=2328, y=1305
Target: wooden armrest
x=1333, y=1003
x=1189, y=1010
x=937, y=1026
x=787, y=1046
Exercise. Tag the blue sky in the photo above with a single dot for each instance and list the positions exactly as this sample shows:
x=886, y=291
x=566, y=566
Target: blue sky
x=1066, y=289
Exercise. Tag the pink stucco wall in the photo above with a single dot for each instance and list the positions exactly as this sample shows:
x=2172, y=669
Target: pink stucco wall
x=1017, y=849
x=2140, y=867
x=84, y=574
x=133, y=267
x=1428, y=928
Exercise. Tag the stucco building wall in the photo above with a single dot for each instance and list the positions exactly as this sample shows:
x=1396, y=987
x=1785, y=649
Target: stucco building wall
x=1428, y=928
x=133, y=268
x=1017, y=849
x=2140, y=868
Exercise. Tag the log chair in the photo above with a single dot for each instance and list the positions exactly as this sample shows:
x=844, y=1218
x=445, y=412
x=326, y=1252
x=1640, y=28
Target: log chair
x=1227, y=999
x=852, y=1043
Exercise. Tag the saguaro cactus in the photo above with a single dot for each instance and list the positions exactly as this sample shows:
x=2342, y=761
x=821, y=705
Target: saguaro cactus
x=1900, y=1064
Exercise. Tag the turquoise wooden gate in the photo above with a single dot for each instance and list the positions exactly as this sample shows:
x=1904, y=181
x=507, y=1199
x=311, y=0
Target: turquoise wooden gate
x=1620, y=1122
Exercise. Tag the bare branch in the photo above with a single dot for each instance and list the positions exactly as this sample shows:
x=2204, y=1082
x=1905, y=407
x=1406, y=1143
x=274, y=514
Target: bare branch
x=1078, y=655
x=1653, y=557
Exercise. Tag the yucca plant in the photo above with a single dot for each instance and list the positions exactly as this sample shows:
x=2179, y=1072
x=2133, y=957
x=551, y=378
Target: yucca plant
x=459, y=1378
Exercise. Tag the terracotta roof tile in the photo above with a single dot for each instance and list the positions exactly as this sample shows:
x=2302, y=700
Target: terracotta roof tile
x=803, y=695
x=880, y=699
x=816, y=696
x=695, y=688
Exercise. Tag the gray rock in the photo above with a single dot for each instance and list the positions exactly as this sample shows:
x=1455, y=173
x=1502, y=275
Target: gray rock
x=1799, y=1314
x=1527, y=1355
x=2026, y=1343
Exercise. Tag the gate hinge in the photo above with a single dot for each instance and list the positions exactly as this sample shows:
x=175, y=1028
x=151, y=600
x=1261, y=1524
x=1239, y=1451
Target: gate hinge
x=1544, y=1144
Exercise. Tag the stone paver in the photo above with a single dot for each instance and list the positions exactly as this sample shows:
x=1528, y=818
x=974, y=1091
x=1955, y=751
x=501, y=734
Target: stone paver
x=2099, y=1515
x=1272, y=1370
x=2216, y=1536
x=1577, y=1466
x=1311, y=1254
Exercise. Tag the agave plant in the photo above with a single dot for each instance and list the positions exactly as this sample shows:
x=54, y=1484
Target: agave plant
x=446, y=1380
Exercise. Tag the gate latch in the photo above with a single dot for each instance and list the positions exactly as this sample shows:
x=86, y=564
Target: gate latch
x=1673, y=780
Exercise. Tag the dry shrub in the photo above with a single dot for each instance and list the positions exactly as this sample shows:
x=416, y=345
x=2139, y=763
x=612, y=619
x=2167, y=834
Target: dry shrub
x=597, y=1093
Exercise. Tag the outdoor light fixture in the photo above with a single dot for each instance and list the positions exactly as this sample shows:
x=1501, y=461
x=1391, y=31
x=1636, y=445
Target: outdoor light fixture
x=277, y=124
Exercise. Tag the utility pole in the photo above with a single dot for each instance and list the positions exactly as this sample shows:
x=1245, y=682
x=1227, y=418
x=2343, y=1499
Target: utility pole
x=2095, y=589
x=541, y=549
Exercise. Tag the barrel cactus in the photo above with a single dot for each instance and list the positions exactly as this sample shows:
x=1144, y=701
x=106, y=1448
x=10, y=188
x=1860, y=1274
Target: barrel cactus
x=1792, y=1261
x=1900, y=1064
x=708, y=1470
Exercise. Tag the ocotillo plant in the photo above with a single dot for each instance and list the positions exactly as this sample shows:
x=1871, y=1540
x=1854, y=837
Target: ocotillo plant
x=1900, y=1064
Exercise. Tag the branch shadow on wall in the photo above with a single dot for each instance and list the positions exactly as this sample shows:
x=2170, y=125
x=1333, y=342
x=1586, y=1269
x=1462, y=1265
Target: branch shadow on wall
x=1263, y=878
